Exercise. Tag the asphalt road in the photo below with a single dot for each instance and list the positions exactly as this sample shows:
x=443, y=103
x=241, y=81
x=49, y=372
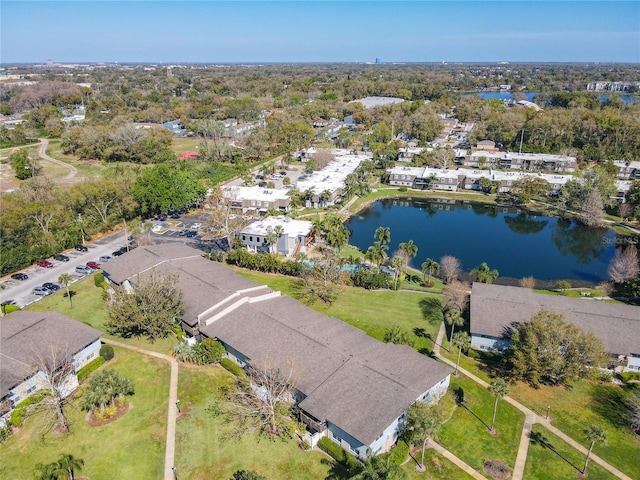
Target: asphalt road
x=20, y=290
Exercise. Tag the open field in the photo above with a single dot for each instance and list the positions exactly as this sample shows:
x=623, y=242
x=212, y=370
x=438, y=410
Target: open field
x=131, y=447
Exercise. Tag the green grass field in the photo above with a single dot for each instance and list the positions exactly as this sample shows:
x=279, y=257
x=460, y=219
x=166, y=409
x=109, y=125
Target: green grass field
x=466, y=435
x=131, y=447
x=550, y=458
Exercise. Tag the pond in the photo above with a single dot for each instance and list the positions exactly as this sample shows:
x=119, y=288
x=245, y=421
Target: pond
x=515, y=242
x=627, y=99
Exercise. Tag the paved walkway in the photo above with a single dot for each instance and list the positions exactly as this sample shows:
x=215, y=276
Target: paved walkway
x=73, y=171
x=169, y=454
x=451, y=457
x=530, y=419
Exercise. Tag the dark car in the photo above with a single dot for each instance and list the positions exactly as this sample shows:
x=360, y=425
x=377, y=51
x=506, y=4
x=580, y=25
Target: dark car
x=44, y=263
x=61, y=258
x=19, y=276
x=262, y=184
x=119, y=252
x=191, y=234
x=54, y=287
x=81, y=248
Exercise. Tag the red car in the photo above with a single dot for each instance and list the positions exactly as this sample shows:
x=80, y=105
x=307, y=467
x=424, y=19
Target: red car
x=44, y=263
x=94, y=265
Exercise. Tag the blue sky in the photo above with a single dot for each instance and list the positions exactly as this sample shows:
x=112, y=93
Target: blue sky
x=319, y=31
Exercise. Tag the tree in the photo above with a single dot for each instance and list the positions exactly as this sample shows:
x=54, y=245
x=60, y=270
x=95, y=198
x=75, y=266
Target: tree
x=624, y=264
x=161, y=188
x=65, y=279
x=323, y=281
x=594, y=434
x=383, y=235
x=499, y=388
x=450, y=268
x=397, y=335
x=633, y=411
x=423, y=423
x=591, y=209
x=457, y=295
x=150, y=310
x=397, y=262
x=46, y=471
x=23, y=166
x=70, y=464
x=262, y=401
x=377, y=253
x=104, y=389
x=430, y=266
x=380, y=467
x=549, y=349
x=223, y=222
x=454, y=319
x=462, y=341
x=527, y=282
x=410, y=249
x=484, y=274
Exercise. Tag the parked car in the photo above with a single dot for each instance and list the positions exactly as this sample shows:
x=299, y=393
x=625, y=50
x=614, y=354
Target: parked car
x=182, y=233
x=120, y=251
x=262, y=184
x=105, y=258
x=196, y=225
x=191, y=233
x=61, y=258
x=81, y=248
x=83, y=269
x=44, y=263
x=94, y=265
x=54, y=287
x=19, y=276
x=41, y=291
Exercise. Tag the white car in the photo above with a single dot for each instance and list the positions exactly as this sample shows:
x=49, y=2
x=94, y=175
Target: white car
x=196, y=225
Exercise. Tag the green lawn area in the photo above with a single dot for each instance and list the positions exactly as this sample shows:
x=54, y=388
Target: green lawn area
x=574, y=407
x=373, y=311
x=131, y=447
x=89, y=308
x=550, y=458
x=466, y=435
x=85, y=168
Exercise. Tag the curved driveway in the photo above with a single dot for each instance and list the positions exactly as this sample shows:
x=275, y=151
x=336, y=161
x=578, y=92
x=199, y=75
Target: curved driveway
x=73, y=171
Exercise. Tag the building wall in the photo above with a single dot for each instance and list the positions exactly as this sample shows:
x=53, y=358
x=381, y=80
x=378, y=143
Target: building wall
x=489, y=344
x=86, y=355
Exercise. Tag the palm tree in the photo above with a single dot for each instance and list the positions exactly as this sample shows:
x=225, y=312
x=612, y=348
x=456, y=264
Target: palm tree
x=316, y=228
x=410, y=249
x=68, y=463
x=594, y=434
x=462, y=341
x=146, y=227
x=430, y=266
x=423, y=422
x=48, y=471
x=377, y=467
x=65, y=279
x=454, y=319
x=397, y=262
x=499, y=388
x=484, y=274
x=383, y=235
x=377, y=253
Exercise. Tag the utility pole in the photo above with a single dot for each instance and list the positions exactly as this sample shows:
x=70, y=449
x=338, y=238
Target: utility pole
x=521, y=136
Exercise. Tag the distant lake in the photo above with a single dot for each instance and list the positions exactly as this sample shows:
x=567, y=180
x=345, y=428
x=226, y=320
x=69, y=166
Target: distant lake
x=513, y=241
x=627, y=99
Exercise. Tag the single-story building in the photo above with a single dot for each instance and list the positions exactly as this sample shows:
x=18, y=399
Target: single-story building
x=348, y=386
x=495, y=308
x=29, y=339
x=257, y=199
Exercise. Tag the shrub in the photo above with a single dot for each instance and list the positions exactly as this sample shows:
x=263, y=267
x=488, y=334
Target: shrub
x=402, y=189
x=399, y=453
x=20, y=410
x=211, y=351
x=5, y=432
x=630, y=376
x=339, y=454
x=7, y=309
x=92, y=366
x=371, y=279
x=234, y=368
x=106, y=352
x=98, y=279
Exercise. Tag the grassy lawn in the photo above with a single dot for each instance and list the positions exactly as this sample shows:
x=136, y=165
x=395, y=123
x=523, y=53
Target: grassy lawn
x=180, y=145
x=466, y=435
x=85, y=168
x=131, y=447
x=550, y=458
x=89, y=308
x=574, y=407
x=373, y=311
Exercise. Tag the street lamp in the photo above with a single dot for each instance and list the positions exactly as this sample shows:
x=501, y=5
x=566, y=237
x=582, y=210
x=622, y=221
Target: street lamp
x=178, y=405
x=547, y=416
x=175, y=475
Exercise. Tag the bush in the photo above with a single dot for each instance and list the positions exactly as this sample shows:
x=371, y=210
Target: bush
x=7, y=309
x=210, y=351
x=106, y=352
x=339, y=454
x=91, y=367
x=98, y=279
x=20, y=410
x=630, y=376
x=5, y=432
x=371, y=279
x=402, y=189
x=233, y=368
x=399, y=453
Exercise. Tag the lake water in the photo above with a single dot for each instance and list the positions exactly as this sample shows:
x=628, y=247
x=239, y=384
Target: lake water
x=627, y=99
x=516, y=243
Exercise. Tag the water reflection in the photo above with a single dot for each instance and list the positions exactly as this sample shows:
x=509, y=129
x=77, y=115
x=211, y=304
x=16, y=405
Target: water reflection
x=525, y=223
x=585, y=244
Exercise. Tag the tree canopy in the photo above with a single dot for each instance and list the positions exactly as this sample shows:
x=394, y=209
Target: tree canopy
x=161, y=188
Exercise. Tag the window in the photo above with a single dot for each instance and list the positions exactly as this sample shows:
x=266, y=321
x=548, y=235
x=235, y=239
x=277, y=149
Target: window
x=243, y=237
x=89, y=357
x=251, y=239
x=30, y=390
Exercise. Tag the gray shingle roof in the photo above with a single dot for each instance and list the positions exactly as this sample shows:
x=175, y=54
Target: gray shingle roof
x=350, y=379
x=495, y=307
x=27, y=334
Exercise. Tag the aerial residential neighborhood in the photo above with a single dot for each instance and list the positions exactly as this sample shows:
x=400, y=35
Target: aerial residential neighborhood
x=240, y=253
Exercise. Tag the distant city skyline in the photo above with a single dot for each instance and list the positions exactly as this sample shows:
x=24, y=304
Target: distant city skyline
x=319, y=31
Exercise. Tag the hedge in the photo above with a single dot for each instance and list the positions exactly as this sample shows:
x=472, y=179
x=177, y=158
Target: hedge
x=628, y=376
x=98, y=279
x=7, y=309
x=106, y=351
x=89, y=368
x=20, y=410
x=339, y=454
x=234, y=368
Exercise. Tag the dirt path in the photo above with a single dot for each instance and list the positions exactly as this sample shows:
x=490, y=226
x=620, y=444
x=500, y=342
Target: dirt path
x=73, y=171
